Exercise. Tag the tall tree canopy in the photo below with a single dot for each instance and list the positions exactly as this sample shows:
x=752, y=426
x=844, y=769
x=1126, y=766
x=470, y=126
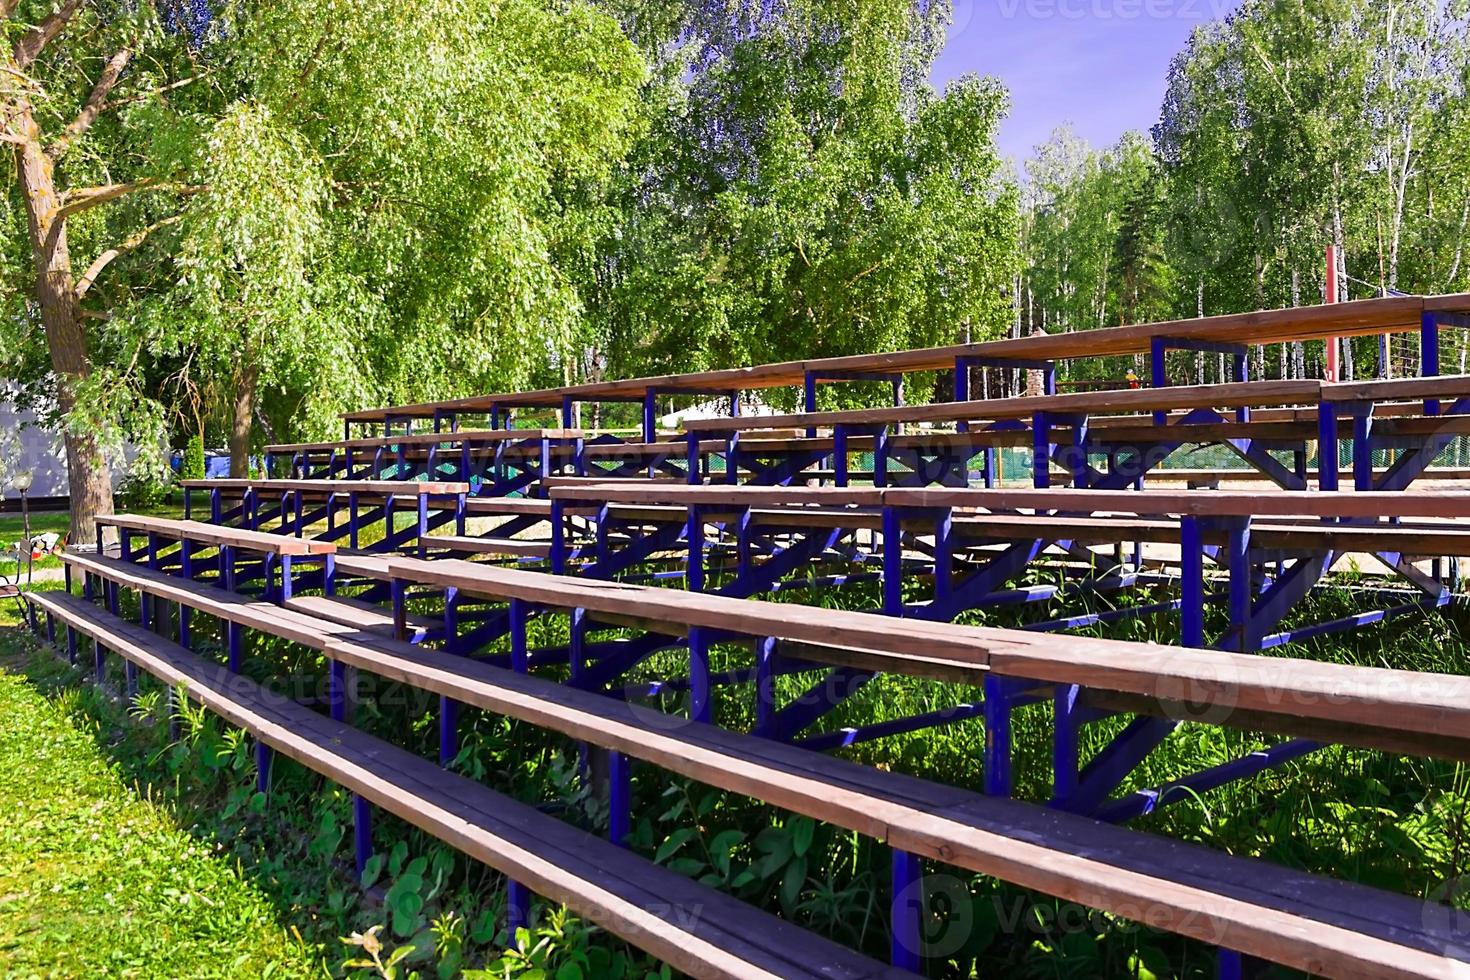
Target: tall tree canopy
x=1288, y=126
x=802, y=191
x=295, y=207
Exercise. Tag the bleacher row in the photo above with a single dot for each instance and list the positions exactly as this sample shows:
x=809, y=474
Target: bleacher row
x=677, y=543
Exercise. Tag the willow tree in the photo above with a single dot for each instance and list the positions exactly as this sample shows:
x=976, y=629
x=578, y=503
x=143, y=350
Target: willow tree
x=460, y=149
x=90, y=93
x=299, y=206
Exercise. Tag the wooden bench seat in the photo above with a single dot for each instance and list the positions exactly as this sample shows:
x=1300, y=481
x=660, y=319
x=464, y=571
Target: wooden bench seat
x=1357, y=505
x=213, y=534
x=1373, y=698
x=1398, y=711
x=425, y=439
x=322, y=488
x=360, y=614
x=1307, y=922
x=499, y=547
x=695, y=929
x=1236, y=395
x=365, y=564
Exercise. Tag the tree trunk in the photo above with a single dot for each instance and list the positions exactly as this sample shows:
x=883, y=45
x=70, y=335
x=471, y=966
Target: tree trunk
x=61, y=315
x=240, y=425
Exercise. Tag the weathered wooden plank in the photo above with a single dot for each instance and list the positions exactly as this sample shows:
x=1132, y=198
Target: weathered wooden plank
x=1244, y=394
x=260, y=541
x=366, y=488
x=1428, y=503
x=694, y=928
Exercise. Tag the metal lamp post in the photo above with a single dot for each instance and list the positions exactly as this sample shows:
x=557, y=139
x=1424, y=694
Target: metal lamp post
x=22, y=483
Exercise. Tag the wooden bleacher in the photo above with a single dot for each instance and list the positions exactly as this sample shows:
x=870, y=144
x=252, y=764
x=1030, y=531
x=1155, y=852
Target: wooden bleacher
x=1301, y=921
x=693, y=928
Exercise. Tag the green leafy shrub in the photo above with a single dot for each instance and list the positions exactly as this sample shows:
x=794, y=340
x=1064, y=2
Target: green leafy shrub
x=144, y=490
x=192, y=467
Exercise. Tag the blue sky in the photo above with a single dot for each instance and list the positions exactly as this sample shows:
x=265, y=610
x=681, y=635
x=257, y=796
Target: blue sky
x=1101, y=65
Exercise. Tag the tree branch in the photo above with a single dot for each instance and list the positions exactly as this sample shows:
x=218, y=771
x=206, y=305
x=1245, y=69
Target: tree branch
x=105, y=259
x=96, y=102
x=7, y=7
x=84, y=198
x=28, y=48
x=171, y=86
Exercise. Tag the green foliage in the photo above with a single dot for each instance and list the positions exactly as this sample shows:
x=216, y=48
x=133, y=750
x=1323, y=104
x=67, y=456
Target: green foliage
x=143, y=490
x=99, y=882
x=801, y=191
x=192, y=466
x=1289, y=126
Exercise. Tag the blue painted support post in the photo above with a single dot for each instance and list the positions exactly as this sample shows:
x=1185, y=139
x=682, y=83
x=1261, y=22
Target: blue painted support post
x=146, y=605
x=517, y=909
x=99, y=660
x=558, y=556
x=907, y=911
x=732, y=459
x=809, y=403
x=262, y=767
x=694, y=534
x=839, y=455
x=1192, y=583
x=1241, y=374
x=1041, y=451
x=619, y=798
x=352, y=523
x=300, y=507
x=1429, y=356
x=71, y=645
x=1241, y=589
x=997, y=712
x=519, y=655
x=701, y=707
x=1363, y=448
x=548, y=464
x=423, y=525
x=362, y=831
x=398, y=591
x=892, y=562
x=1066, y=763
x=880, y=457
x=1327, y=461
x=765, y=681
x=448, y=707
x=286, y=578
x=1158, y=372
x=1077, y=465
x=186, y=571
x=691, y=455
x=943, y=553
x=1228, y=965
x=650, y=405
x=650, y=429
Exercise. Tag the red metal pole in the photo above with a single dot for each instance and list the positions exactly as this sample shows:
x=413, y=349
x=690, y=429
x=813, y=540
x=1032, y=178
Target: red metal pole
x=1332, y=342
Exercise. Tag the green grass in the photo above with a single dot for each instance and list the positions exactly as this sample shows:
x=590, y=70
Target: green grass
x=98, y=881
x=13, y=528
